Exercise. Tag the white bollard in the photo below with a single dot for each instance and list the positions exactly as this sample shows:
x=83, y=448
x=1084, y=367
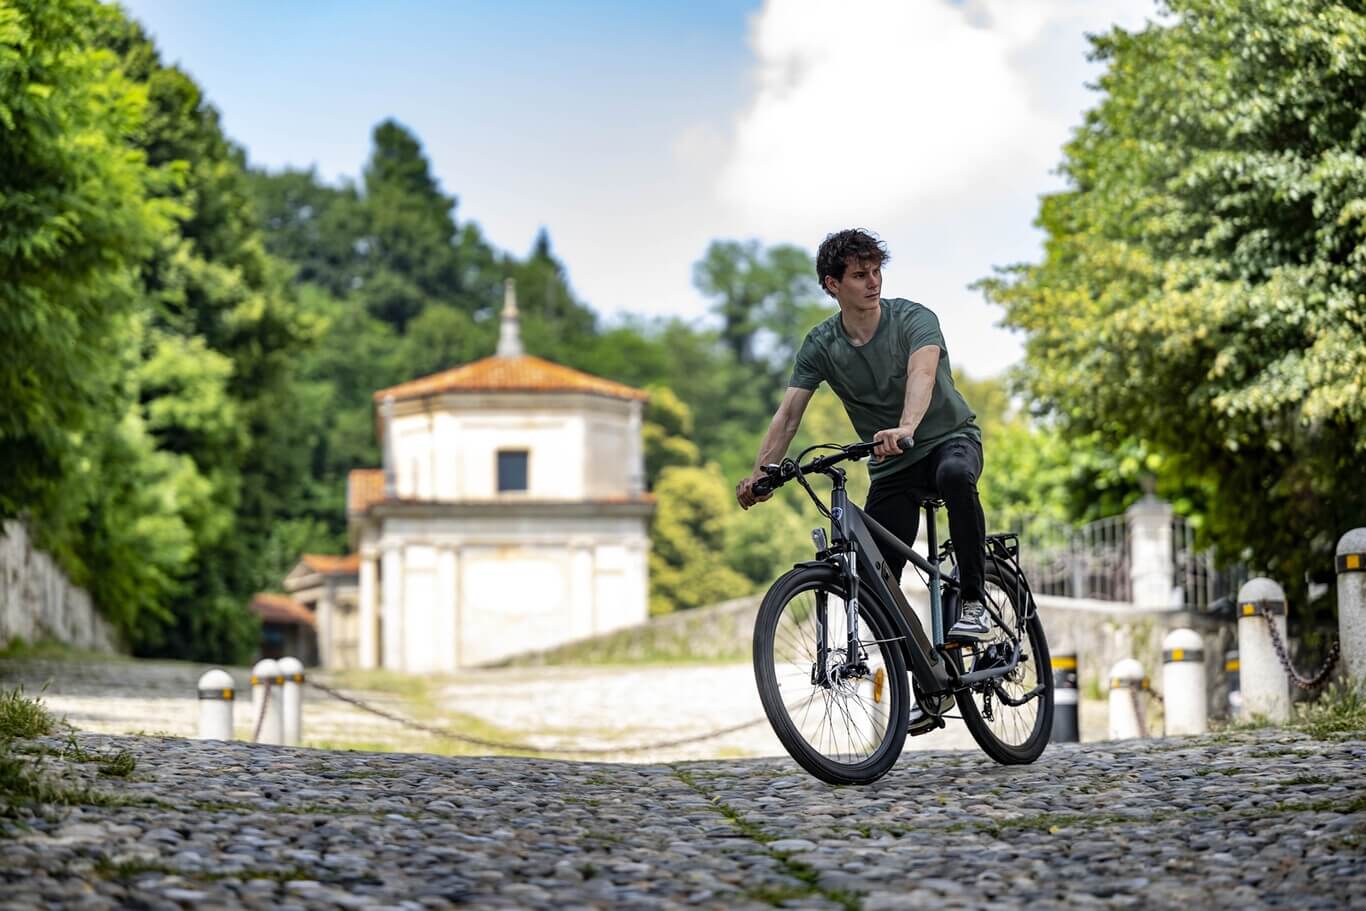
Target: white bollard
x=215, y=705
x=266, y=696
x=1262, y=678
x=292, y=670
x=1351, y=567
x=1126, y=712
x=1183, y=683
x=1235, y=695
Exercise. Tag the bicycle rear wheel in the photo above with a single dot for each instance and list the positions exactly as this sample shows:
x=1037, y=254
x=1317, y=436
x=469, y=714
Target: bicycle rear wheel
x=1010, y=717
x=848, y=730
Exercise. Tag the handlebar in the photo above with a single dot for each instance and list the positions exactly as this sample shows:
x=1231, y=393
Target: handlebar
x=778, y=475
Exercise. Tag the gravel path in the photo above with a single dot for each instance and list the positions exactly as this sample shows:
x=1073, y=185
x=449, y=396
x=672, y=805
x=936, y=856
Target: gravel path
x=1245, y=820
x=546, y=707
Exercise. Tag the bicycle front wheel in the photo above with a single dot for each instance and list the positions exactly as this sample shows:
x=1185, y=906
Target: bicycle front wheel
x=844, y=722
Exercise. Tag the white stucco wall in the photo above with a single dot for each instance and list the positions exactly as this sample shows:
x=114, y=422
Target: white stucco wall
x=458, y=592
x=579, y=447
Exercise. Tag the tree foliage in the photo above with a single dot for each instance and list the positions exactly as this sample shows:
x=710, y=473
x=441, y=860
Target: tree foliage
x=1202, y=297
x=77, y=214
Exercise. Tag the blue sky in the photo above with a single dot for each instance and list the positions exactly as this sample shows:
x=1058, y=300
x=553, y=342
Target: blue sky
x=638, y=132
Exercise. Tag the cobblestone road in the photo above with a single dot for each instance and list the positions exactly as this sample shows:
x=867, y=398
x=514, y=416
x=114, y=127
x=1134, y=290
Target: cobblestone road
x=1245, y=820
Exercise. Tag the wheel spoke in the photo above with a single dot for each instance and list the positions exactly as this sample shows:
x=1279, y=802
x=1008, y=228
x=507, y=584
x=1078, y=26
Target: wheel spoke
x=1012, y=726
x=836, y=718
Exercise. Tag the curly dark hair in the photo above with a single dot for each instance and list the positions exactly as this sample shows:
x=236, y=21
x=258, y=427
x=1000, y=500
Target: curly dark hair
x=852, y=243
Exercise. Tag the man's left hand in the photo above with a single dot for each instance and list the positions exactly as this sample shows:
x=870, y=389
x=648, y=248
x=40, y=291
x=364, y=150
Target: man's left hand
x=887, y=441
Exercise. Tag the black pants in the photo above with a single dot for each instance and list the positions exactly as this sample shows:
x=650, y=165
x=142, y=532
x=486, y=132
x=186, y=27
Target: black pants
x=949, y=472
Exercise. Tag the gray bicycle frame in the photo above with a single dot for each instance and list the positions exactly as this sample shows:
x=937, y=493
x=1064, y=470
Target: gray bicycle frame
x=852, y=528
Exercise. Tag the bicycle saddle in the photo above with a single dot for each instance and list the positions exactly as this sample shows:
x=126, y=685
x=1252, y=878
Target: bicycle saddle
x=929, y=500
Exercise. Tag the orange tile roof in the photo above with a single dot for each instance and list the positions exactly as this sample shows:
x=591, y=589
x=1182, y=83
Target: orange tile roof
x=364, y=488
x=329, y=565
x=525, y=373
x=276, y=608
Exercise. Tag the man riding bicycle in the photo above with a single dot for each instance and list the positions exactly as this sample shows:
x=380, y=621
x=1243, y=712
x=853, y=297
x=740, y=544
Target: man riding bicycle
x=887, y=361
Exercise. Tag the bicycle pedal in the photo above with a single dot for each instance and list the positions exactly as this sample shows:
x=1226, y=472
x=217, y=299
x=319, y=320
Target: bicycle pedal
x=925, y=725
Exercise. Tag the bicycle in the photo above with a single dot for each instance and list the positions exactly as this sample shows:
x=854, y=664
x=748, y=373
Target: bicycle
x=841, y=626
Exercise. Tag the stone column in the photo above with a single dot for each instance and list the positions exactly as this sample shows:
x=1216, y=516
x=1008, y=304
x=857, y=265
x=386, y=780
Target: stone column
x=1265, y=686
x=367, y=639
x=1150, y=553
x=327, y=610
x=583, y=596
x=635, y=452
x=1351, y=567
x=448, y=607
x=392, y=615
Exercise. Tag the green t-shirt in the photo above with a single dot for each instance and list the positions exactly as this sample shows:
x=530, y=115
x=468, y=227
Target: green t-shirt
x=871, y=379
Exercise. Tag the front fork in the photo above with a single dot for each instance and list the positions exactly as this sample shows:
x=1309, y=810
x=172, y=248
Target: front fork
x=854, y=664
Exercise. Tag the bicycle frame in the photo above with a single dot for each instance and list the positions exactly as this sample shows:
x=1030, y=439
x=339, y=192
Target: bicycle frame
x=852, y=532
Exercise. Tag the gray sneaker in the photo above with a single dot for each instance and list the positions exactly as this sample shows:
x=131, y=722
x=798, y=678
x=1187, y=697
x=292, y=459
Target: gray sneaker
x=974, y=623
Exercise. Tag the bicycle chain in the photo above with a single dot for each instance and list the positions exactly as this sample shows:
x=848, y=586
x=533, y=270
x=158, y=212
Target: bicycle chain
x=1304, y=683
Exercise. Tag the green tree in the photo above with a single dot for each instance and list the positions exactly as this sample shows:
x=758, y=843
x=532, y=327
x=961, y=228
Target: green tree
x=667, y=434
x=767, y=299
x=410, y=248
x=76, y=218
x=1200, y=298
x=217, y=383
x=687, y=541
x=320, y=229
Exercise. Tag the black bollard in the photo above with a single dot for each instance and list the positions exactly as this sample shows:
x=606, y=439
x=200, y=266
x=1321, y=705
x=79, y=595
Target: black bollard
x=1066, y=699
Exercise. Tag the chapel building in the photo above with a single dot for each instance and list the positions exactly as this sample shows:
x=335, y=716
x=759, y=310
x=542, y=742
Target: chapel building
x=510, y=515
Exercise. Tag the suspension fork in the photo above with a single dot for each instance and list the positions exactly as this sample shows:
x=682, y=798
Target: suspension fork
x=839, y=519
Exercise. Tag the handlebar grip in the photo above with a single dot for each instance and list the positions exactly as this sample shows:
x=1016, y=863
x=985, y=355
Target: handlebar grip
x=764, y=486
x=905, y=443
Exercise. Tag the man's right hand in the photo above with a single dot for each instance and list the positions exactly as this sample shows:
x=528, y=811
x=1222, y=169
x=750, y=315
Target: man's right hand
x=744, y=491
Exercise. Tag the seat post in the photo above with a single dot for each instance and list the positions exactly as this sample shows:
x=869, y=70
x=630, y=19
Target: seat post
x=936, y=593
x=932, y=532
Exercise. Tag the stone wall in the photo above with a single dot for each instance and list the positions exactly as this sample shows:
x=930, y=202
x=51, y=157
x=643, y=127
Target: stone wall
x=720, y=632
x=1099, y=633
x=37, y=602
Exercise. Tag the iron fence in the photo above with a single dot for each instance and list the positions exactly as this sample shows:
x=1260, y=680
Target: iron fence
x=1095, y=560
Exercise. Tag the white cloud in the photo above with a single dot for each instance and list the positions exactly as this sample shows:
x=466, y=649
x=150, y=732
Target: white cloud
x=936, y=124
x=888, y=105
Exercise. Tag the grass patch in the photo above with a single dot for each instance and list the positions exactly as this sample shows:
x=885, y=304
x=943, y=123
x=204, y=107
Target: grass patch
x=107, y=869
x=413, y=688
x=1340, y=711
x=21, y=717
x=801, y=872
x=53, y=650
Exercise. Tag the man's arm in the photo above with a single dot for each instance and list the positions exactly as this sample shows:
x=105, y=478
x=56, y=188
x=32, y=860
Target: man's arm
x=781, y=430
x=921, y=367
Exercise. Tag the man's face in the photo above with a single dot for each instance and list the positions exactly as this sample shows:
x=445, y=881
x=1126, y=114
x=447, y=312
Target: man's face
x=861, y=287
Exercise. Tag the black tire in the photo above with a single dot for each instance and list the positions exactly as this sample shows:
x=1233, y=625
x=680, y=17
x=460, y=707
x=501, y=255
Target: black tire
x=1010, y=735
x=859, y=727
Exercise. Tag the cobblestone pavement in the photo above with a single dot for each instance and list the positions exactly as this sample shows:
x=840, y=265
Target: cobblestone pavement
x=548, y=707
x=1245, y=820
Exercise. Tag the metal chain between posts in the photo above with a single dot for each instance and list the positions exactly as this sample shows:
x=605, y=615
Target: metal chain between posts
x=1304, y=683
x=522, y=747
x=1138, y=713
x=265, y=705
